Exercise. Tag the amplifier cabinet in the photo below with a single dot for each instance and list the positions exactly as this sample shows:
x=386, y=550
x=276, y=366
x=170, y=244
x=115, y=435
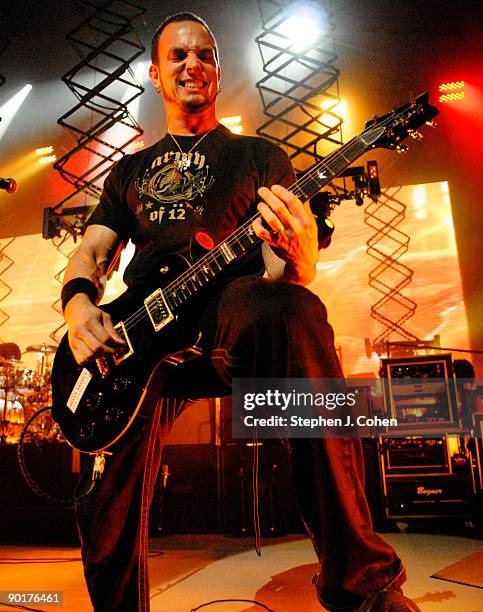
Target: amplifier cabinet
x=427, y=477
x=26, y=517
x=423, y=496
x=416, y=454
x=420, y=392
x=276, y=491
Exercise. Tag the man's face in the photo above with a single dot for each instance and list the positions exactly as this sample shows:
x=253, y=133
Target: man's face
x=187, y=72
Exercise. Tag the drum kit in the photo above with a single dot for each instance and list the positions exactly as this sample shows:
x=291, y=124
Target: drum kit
x=24, y=391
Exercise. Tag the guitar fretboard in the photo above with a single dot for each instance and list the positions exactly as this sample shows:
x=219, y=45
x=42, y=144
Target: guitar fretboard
x=244, y=238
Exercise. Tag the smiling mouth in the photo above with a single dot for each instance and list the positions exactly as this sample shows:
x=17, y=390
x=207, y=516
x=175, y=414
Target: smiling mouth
x=191, y=84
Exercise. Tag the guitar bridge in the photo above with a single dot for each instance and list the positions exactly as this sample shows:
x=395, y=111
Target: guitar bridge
x=158, y=309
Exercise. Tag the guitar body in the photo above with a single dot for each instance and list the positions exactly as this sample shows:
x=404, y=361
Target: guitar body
x=95, y=403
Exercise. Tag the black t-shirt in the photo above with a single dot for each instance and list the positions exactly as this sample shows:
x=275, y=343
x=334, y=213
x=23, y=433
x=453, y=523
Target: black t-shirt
x=147, y=199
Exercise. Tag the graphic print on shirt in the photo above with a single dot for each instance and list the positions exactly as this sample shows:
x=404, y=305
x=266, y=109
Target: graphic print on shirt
x=166, y=193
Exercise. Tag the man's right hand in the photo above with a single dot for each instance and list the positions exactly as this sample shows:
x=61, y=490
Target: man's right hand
x=91, y=332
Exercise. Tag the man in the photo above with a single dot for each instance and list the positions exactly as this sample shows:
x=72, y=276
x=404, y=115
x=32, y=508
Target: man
x=200, y=182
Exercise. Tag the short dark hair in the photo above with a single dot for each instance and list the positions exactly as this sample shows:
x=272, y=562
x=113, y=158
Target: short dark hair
x=176, y=18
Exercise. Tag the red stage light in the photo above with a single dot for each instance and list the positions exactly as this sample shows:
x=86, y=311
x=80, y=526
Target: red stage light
x=452, y=91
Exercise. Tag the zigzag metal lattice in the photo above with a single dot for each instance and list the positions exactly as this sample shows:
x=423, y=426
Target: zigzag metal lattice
x=6, y=262
x=107, y=44
x=387, y=245
x=66, y=246
x=295, y=86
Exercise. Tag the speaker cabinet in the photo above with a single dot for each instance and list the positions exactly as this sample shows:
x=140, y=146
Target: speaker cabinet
x=26, y=517
x=186, y=497
x=276, y=492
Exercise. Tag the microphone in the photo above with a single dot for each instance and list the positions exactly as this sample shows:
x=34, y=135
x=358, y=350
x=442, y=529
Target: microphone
x=9, y=184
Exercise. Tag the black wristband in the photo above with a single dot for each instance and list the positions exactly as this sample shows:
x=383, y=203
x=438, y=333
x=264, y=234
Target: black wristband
x=78, y=285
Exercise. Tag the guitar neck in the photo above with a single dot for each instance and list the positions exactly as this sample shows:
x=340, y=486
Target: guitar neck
x=244, y=239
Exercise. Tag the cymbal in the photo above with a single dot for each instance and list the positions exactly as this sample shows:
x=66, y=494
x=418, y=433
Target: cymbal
x=41, y=348
x=9, y=362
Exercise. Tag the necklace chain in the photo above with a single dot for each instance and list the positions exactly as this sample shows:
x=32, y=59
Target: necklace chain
x=184, y=162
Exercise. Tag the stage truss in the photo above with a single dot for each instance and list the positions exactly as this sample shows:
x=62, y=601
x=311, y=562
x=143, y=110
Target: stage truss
x=104, y=84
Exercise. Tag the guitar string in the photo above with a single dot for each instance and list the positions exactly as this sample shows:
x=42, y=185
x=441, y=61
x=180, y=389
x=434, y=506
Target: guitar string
x=347, y=148
x=308, y=177
x=141, y=313
x=236, y=237
x=189, y=275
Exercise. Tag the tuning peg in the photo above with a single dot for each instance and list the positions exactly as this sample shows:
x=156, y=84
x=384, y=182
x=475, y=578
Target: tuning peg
x=402, y=148
x=432, y=124
x=415, y=134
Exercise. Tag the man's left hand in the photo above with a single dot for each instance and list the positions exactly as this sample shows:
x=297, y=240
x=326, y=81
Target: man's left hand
x=292, y=234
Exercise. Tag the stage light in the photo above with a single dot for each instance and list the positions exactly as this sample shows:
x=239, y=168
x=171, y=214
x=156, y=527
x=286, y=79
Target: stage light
x=9, y=109
x=47, y=159
x=233, y=123
x=120, y=133
x=373, y=180
x=452, y=86
x=452, y=91
x=44, y=151
x=335, y=111
x=452, y=97
x=303, y=25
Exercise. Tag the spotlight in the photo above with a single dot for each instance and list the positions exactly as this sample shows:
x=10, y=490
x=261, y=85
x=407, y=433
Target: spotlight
x=303, y=25
x=234, y=123
x=8, y=184
x=44, y=151
x=452, y=97
x=9, y=109
x=334, y=111
x=48, y=159
x=452, y=91
x=452, y=86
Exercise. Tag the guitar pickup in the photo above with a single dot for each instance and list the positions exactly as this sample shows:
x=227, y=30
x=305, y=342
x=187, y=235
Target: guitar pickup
x=126, y=351
x=158, y=309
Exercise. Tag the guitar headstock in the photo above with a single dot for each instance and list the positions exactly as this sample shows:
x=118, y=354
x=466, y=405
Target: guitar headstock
x=390, y=130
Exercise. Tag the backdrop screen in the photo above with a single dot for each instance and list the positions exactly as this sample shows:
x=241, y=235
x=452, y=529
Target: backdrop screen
x=342, y=280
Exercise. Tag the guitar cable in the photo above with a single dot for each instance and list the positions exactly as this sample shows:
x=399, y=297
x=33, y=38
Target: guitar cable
x=64, y=501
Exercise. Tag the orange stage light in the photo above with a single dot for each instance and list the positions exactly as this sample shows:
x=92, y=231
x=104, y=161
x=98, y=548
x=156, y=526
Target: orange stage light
x=48, y=159
x=44, y=151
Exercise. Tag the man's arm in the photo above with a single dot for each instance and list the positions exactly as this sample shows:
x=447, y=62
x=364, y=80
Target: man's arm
x=91, y=331
x=293, y=236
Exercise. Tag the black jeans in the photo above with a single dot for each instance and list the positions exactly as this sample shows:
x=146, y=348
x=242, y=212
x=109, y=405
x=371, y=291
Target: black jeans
x=254, y=328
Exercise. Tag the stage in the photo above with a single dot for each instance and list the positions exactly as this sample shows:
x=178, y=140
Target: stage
x=190, y=570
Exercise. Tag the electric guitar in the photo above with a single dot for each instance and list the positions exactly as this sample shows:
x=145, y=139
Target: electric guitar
x=96, y=403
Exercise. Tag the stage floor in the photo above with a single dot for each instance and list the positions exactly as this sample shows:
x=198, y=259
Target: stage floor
x=190, y=570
